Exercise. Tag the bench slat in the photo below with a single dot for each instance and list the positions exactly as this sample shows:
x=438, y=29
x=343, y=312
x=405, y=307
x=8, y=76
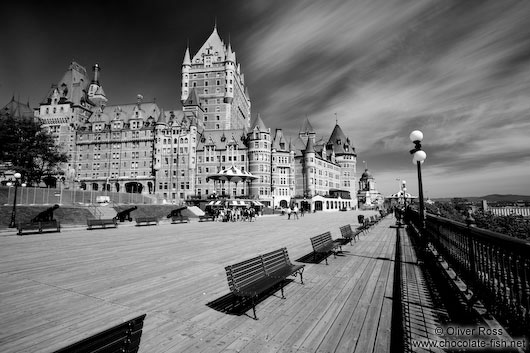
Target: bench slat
x=124, y=337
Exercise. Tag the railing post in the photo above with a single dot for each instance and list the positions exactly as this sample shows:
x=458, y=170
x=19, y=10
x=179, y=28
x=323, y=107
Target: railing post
x=470, y=221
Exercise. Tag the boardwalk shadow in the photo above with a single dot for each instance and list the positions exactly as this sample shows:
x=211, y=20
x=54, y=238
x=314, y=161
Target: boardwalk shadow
x=234, y=305
x=313, y=258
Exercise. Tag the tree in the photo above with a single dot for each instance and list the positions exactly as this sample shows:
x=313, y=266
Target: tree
x=29, y=149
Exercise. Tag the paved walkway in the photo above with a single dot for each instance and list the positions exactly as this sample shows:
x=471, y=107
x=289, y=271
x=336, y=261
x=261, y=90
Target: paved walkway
x=58, y=288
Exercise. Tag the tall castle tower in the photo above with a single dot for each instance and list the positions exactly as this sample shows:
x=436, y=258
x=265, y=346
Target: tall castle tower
x=344, y=154
x=215, y=76
x=259, y=159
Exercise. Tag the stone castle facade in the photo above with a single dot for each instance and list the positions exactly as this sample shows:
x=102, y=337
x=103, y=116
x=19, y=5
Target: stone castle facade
x=168, y=154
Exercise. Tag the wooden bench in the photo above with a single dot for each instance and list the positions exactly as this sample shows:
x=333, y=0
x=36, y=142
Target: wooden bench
x=323, y=244
x=364, y=227
x=147, y=220
x=103, y=223
x=207, y=218
x=180, y=219
x=349, y=234
x=124, y=337
x=51, y=226
x=250, y=278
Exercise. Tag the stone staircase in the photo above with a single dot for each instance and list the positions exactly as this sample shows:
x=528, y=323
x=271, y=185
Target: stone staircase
x=103, y=212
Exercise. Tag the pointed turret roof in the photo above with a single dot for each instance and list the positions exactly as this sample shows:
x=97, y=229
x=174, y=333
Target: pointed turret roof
x=279, y=141
x=310, y=147
x=214, y=42
x=307, y=127
x=73, y=84
x=187, y=60
x=161, y=117
x=193, y=98
x=230, y=55
x=258, y=123
x=339, y=142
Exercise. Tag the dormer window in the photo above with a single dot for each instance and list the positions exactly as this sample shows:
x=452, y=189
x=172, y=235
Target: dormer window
x=339, y=142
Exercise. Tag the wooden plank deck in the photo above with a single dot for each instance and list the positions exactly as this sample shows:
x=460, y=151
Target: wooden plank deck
x=421, y=314
x=56, y=289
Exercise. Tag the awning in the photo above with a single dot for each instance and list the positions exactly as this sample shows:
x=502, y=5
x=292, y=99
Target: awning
x=215, y=203
x=257, y=203
x=237, y=203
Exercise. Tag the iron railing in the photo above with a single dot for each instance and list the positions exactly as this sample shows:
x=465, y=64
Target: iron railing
x=495, y=266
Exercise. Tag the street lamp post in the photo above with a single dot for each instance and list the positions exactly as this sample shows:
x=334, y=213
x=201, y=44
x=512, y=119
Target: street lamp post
x=404, y=189
x=156, y=168
x=12, y=224
x=416, y=137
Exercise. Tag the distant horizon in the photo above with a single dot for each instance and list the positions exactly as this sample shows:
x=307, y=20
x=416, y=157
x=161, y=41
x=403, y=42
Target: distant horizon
x=456, y=70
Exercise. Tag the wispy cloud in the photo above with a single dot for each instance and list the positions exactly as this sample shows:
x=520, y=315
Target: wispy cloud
x=456, y=70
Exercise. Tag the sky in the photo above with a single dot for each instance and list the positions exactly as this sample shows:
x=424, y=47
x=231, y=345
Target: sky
x=457, y=70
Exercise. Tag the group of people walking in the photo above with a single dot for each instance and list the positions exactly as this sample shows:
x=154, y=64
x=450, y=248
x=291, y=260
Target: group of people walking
x=293, y=212
x=234, y=214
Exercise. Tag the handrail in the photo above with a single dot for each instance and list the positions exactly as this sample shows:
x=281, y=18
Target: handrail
x=495, y=266
x=95, y=211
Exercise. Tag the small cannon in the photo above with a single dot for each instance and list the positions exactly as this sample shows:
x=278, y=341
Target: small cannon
x=176, y=212
x=45, y=216
x=125, y=214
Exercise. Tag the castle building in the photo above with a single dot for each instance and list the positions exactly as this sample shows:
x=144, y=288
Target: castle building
x=367, y=195
x=214, y=75
x=169, y=154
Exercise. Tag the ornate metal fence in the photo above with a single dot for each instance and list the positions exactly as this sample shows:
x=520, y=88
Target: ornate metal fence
x=495, y=266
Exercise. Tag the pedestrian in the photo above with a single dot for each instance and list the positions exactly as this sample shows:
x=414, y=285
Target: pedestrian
x=302, y=211
x=288, y=212
x=295, y=211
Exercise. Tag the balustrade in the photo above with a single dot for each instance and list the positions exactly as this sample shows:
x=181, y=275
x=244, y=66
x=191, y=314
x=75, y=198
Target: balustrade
x=495, y=266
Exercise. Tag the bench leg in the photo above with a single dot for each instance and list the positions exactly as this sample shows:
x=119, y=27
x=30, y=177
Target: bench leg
x=326, y=259
x=254, y=308
x=301, y=273
x=281, y=287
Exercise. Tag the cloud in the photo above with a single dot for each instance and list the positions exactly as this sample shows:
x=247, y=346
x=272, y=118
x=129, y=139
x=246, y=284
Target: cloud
x=456, y=70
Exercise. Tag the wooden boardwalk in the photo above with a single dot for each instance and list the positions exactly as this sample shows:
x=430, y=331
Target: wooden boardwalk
x=58, y=288
x=422, y=313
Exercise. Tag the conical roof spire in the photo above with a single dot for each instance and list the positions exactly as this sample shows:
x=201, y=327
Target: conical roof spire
x=307, y=127
x=310, y=147
x=259, y=124
x=161, y=117
x=187, y=60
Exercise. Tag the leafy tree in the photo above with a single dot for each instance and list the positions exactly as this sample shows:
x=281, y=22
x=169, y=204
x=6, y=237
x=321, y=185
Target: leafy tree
x=31, y=151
